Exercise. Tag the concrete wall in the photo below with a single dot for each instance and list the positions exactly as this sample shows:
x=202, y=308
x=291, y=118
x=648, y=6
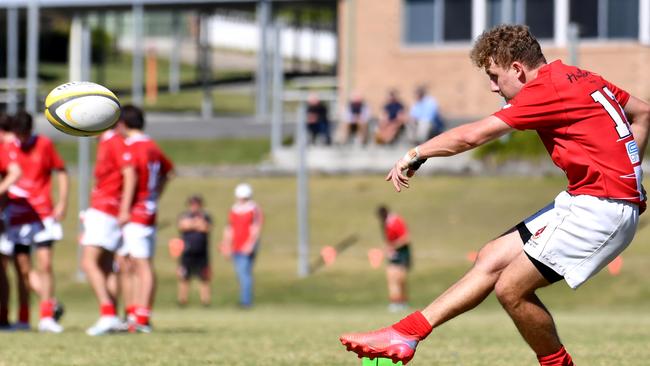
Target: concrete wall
x=378, y=60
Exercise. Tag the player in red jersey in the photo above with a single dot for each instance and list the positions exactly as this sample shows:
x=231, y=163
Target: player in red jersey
x=597, y=134
x=398, y=251
x=33, y=219
x=10, y=170
x=241, y=238
x=102, y=229
x=152, y=171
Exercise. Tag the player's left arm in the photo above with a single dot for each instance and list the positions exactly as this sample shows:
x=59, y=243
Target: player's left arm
x=455, y=141
x=63, y=180
x=255, y=231
x=638, y=114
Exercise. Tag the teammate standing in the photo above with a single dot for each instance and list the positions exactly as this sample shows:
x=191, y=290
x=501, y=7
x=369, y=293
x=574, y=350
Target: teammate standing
x=194, y=225
x=583, y=121
x=10, y=170
x=152, y=170
x=398, y=252
x=102, y=230
x=33, y=220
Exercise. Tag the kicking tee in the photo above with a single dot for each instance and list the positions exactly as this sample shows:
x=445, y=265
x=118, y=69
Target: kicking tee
x=579, y=118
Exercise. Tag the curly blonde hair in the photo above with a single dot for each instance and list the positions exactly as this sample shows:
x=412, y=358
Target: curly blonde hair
x=505, y=44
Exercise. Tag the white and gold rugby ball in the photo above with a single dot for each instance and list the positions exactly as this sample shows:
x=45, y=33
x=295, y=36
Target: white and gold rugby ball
x=82, y=108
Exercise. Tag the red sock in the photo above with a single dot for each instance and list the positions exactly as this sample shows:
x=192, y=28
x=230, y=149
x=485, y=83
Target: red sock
x=142, y=315
x=23, y=313
x=414, y=325
x=559, y=358
x=107, y=309
x=47, y=309
x=130, y=310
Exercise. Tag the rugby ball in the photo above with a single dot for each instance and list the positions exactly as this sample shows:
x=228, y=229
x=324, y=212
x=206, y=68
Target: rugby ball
x=82, y=108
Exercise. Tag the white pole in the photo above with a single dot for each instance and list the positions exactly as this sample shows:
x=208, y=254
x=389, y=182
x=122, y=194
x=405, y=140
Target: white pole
x=561, y=15
x=205, y=64
x=574, y=38
x=33, y=15
x=479, y=17
x=278, y=87
x=644, y=22
x=12, y=59
x=175, y=54
x=302, y=198
x=138, y=54
x=261, y=100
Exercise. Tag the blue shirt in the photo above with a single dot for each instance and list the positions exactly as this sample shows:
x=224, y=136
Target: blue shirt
x=426, y=109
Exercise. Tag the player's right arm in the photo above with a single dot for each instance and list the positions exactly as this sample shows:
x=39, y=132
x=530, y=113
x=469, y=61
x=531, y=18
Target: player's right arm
x=638, y=114
x=13, y=174
x=448, y=143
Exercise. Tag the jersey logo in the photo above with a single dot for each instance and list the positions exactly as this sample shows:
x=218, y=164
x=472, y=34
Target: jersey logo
x=632, y=151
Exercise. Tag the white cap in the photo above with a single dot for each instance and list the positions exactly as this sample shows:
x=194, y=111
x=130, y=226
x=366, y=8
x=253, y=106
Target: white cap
x=243, y=191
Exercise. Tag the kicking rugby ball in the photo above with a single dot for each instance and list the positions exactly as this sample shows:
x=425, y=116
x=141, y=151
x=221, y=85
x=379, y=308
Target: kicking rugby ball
x=82, y=108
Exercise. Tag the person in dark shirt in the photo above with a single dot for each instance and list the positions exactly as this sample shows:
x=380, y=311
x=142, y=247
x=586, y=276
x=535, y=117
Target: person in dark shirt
x=392, y=120
x=317, y=120
x=194, y=226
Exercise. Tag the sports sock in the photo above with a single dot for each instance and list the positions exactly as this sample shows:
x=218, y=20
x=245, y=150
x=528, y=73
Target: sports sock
x=414, y=325
x=47, y=308
x=23, y=313
x=107, y=309
x=129, y=310
x=559, y=358
x=142, y=315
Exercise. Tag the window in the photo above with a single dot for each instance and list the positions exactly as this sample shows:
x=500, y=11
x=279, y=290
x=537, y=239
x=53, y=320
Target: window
x=537, y=14
x=606, y=18
x=435, y=21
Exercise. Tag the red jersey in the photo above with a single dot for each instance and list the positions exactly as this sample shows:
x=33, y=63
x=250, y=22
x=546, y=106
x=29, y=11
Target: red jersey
x=394, y=228
x=579, y=117
x=151, y=168
x=30, y=197
x=241, y=218
x=107, y=192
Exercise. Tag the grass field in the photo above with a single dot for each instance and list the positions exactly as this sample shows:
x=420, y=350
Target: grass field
x=297, y=321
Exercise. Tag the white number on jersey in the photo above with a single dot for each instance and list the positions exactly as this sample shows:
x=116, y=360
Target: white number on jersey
x=611, y=105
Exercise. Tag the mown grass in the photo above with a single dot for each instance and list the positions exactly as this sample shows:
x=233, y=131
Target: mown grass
x=297, y=321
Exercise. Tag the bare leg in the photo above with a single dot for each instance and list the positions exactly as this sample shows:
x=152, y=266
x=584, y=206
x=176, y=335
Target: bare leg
x=395, y=276
x=91, y=259
x=145, y=289
x=476, y=284
x=515, y=289
x=205, y=291
x=106, y=264
x=125, y=276
x=45, y=273
x=183, y=290
x=23, y=265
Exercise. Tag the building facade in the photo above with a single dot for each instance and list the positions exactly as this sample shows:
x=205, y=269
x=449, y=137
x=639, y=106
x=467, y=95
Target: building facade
x=402, y=44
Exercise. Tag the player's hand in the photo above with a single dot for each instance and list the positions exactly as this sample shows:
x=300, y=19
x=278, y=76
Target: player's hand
x=59, y=211
x=404, y=169
x=123, y=218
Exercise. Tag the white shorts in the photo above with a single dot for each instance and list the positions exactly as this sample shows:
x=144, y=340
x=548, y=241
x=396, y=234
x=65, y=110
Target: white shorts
x=101, y=230
x=6, y=247
x=35, y=232
x=576, y=236
x=138, y=241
